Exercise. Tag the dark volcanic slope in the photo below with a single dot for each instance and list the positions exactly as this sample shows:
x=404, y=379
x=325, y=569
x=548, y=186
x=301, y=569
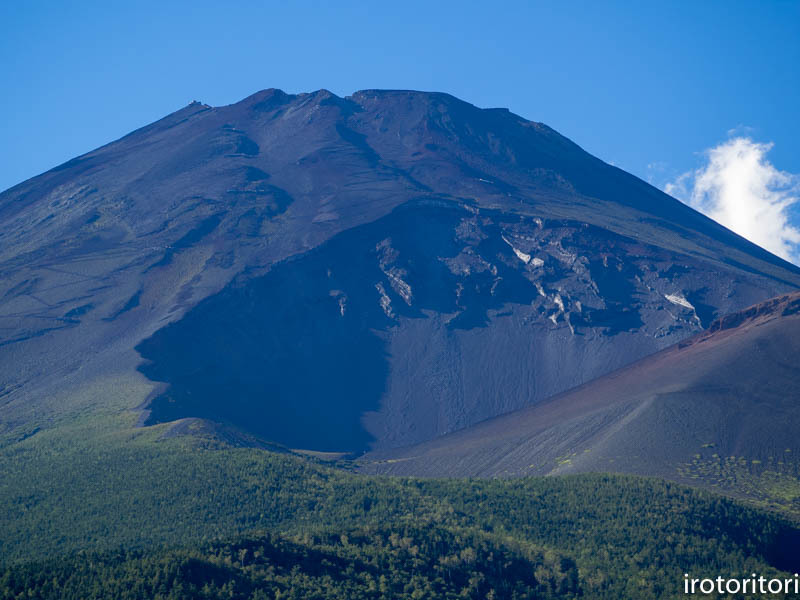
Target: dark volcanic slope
x=722, y=404
x=427, y=321
x=337, y=272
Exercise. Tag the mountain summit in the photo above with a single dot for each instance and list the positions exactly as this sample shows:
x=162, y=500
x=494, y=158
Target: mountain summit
x=339, y=274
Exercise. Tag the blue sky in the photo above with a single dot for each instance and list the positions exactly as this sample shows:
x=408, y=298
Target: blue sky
x=647, y=86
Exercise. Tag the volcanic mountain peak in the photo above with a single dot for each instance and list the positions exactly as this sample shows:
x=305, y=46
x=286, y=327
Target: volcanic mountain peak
x=475, y=262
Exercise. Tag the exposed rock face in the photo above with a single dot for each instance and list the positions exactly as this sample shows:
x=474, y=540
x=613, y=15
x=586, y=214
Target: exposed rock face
x=427, y=321
x=344, y=273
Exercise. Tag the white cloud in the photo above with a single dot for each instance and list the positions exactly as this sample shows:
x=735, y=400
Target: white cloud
x=739, y=188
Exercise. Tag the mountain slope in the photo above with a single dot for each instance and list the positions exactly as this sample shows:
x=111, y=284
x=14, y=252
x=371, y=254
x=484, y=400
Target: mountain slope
x=719, y=409
x=345, y=273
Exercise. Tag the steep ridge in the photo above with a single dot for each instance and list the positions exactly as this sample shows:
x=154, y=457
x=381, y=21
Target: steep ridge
x=718, y=409
x=462, y=262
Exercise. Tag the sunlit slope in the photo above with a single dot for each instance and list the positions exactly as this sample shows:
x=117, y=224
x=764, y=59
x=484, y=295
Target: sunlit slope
x=720, y=410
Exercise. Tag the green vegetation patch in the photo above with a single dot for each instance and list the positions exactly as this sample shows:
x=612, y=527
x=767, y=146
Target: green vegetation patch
x=772, y=482
x=149, y=503
x=405, y=562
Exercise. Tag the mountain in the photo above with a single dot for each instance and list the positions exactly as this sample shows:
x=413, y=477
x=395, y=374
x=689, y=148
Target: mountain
x=718, y=409
x=344, y=274
x=197, y=317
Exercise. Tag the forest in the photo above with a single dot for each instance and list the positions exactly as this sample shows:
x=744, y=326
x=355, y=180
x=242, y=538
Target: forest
x=165, y=520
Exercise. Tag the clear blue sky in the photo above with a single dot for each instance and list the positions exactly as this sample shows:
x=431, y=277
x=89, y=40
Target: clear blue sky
x=635, y=83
